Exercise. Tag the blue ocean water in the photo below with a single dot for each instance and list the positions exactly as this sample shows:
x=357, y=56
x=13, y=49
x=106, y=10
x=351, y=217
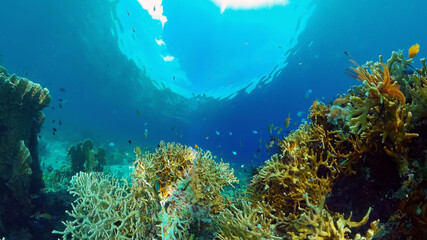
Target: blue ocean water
x=233, y=73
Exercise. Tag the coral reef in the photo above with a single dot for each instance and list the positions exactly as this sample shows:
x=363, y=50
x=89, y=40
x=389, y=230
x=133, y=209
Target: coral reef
x=174, y=194
x=85, y=158
x=21, y=102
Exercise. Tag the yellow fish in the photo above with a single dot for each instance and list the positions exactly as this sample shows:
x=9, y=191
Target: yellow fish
x=413, y=50
x=195, y=146
x=288, y=120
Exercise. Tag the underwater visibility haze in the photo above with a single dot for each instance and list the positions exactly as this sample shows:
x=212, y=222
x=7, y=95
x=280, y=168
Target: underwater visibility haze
x=213, y=119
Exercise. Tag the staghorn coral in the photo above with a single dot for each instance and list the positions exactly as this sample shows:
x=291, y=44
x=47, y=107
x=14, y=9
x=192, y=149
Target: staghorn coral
x=248, y=222
x=317, y=223
x=165, y=200
x=105, y=208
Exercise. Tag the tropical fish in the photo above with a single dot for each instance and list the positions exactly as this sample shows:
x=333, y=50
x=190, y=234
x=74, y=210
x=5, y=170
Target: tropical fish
x=270, y=128
x=271, y=143
x=413, y=50
x=196, y=146
x=217, y=133
x=146, y=134
x=130, y=142
x=230, y=133
x=234, y=153
x=307, y=93
x=300, y=113
x=288, y=120
x=255, y=132
x=314, y=104
x=242, y=166
x=347, y=53
x=207, y=137
x=146, y=123
x=292, y=147
x=111, y=144
x=279, y=131
x=340, y=101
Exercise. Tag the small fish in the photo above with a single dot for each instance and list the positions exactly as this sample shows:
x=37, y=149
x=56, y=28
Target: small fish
x=307, y=94
x=130, y=142
x=300, y=113
x=255, y=132
x=258, y=150
x=340, y=101
x=46, y=216
x=347, y=53
x=53, y=133
x=196, y=146
x=234, y=153
x=60, y=106
x=62, y=89
x=146, y=123
x=413, y=50
x=279, y=131
x=245, y=44
x=54, y=129
x=128, y=13
x=270, y=128
x=53, y=108
x=217, y=133
x=146, y=134
x=292, y=147
x=26, y=73
x=40, y=137
x=53, y=121
x=279, y=47
x=242, y=166
x=271, y=143
x=173, y=128
x=111, y=144
x=207, y=137
x=311, y=43
x=288, y=120
x=133, y=29
x=315, y=103
x=138, y=112
x=231, y=134
x=173, y=77
x=60, y=99
x=60, y=122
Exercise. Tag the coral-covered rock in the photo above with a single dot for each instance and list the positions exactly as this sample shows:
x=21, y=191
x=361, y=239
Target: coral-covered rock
x=21, y=102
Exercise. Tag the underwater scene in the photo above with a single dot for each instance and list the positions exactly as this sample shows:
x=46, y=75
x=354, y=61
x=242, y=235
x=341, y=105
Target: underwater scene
x=213, y=119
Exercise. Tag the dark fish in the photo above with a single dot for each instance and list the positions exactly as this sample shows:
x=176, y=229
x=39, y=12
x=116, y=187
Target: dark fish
x=62, y=89
x=60, y=99
x=128, y=13
x=53, y=133
x=53, y=108
x=60, y=123
x=347, y=53
x=60, y=106
x=204, y=95
x=173, y=77
x=130, y=142
x=133, y=29
x=26, y=73
x=40, y=137
x=409, y=70
x=53, y=121
x=54, y=129
x=154, y=9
